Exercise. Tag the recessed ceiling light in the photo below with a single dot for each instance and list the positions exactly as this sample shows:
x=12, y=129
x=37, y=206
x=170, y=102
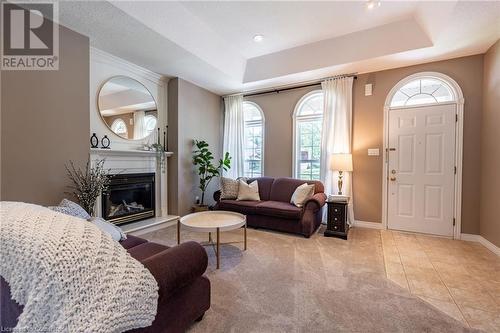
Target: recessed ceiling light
x=370, y=4
x=258, y=38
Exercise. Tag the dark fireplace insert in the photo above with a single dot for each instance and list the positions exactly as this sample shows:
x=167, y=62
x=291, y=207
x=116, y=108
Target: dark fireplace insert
x=130, y=197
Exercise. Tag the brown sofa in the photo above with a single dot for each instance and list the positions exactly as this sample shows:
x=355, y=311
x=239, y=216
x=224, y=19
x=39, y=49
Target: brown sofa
x=275, y=211
x=184, y=293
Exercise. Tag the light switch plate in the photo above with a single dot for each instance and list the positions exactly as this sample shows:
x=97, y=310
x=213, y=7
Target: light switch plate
x=373, y=152
x=368, y=89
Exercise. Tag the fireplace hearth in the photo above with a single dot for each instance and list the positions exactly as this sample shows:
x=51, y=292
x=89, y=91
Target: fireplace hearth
x=130, y=197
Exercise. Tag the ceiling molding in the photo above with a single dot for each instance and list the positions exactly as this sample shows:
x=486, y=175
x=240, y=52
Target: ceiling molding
x=372, y=43
x=210, y=44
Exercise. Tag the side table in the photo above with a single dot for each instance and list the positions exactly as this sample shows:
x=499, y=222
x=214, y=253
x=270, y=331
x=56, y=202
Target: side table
x=337, y=217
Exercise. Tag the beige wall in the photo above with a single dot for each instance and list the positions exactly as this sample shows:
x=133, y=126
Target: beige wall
x=368, y=124
x=367, y=133
x=490, y=148
x=278, y=110
x=45, y=123
x=193, y=113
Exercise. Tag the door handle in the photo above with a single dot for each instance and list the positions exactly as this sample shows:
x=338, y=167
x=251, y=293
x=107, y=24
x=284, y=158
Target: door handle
x=392, y=179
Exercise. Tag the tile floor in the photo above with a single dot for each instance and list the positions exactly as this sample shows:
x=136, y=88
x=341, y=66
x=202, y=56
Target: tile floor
x=460, y=278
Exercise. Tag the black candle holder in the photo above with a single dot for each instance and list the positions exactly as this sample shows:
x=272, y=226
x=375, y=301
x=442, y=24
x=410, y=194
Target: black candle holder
x=94, y=141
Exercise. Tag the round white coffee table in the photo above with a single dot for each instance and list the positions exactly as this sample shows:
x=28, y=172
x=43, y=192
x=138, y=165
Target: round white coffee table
x=213, y=221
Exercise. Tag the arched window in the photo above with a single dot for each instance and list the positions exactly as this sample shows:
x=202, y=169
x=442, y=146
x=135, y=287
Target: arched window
x=422, y=91
x=120, y=128
x=254, y=140
x=308, y=122
x=149, y=124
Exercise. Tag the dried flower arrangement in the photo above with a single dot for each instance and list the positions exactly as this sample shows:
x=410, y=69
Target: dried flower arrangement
x=89, y=183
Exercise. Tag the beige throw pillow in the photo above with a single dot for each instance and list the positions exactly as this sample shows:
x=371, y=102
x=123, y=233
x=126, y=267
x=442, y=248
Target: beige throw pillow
x=228, y=188
x=248, y=192
x=302, y=193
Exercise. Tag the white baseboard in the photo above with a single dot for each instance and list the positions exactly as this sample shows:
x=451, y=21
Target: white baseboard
x=480, y=239
x=371, y=225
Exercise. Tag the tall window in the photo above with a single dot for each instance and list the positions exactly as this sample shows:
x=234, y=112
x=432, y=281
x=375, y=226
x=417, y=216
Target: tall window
x=149, y=124
x=308, y=121
x=254, y=139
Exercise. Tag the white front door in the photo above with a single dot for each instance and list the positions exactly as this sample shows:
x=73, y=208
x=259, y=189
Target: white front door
x=421, y=170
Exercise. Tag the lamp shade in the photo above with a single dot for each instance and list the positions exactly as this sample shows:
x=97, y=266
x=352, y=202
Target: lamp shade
x=341, y=162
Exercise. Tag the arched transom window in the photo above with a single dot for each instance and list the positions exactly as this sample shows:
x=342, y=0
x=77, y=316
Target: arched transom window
x=422, y=91
x=308, y=120
x=120, y=128
x=254, y=140
x=149, y=124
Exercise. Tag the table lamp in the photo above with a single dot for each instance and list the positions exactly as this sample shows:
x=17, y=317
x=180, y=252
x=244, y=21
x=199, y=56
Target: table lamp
x=341, y=163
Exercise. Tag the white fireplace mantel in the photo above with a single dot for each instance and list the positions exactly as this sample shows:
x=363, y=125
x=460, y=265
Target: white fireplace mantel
x=116, y=152
x=137, y=161
x=128, y=156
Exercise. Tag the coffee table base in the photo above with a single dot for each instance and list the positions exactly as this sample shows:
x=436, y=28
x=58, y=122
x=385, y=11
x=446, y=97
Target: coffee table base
x=217, y=243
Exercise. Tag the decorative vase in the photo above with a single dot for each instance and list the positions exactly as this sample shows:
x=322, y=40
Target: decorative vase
x=105, y=142
x=94, y=141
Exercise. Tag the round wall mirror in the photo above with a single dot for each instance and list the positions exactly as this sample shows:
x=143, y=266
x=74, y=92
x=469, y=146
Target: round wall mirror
x=127, y=108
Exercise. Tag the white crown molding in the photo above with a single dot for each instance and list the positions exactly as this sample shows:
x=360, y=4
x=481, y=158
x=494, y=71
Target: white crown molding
x=370, y=225
x=480, y=239
x=107, y=58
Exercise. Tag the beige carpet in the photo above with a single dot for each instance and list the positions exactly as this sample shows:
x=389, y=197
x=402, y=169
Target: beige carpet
x=287, y=283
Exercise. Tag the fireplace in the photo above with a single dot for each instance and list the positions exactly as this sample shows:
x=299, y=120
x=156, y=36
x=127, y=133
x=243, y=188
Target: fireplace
x=130, y=197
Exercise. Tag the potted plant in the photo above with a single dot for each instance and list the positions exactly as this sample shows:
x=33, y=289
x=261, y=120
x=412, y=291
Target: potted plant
x=160, y=155
x=203, y=160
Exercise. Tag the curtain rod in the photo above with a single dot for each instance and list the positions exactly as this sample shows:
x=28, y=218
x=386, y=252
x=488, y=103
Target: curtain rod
x=303, y=85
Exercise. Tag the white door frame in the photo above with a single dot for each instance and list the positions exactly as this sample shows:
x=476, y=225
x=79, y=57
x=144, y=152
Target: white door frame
x=459, y=102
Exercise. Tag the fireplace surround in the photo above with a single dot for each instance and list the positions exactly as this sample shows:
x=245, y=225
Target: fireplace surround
x=129, y=198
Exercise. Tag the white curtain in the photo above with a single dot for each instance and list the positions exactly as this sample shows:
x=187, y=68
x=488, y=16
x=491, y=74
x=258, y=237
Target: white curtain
x=336, y=134
x=139, y=124
x=234, y=126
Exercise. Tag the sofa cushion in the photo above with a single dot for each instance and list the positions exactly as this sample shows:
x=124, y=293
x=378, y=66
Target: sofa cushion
x=265, y=184
x=278, y=209
x=229, y=188
x=109, y=228
x=146, y=250
x=69, y=207
x=248, y=192
x=301, y=194
x=132, y=241
x=243, y=207
x=283, y=188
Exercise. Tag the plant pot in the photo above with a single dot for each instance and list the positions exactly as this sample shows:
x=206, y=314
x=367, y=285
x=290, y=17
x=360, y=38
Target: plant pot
x=199, y=208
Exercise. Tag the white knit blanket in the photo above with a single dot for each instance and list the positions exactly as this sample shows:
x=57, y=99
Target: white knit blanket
x=70, y=276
